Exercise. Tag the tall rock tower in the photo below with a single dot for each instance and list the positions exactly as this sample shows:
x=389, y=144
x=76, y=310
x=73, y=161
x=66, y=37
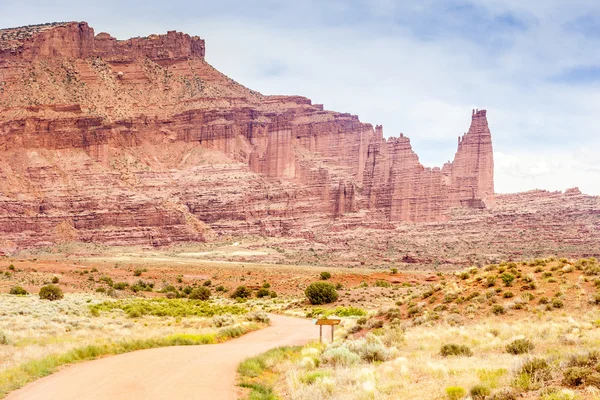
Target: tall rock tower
x=472, y=177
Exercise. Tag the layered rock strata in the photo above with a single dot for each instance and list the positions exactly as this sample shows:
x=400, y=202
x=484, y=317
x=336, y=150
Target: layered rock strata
x=141, y=141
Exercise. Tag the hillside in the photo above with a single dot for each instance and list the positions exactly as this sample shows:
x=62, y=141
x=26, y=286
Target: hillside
x=142, y=142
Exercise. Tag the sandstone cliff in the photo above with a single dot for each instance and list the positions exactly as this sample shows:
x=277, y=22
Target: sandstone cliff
x=143, y=142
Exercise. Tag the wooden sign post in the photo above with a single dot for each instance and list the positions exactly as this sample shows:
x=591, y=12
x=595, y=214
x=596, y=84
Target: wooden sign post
x=330, y=322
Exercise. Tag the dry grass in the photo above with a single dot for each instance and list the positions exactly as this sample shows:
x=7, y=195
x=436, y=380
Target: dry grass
x=37, y=337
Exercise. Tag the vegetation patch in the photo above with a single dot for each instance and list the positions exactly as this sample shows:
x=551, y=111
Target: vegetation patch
x=136, y=308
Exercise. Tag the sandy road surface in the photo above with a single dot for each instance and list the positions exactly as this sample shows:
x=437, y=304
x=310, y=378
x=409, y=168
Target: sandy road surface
x=183, y=372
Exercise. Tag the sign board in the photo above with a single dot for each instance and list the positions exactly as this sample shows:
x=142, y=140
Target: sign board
x=328, y=322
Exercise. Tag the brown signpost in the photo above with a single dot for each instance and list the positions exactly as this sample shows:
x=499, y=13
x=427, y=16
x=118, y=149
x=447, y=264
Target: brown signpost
x=330, y=322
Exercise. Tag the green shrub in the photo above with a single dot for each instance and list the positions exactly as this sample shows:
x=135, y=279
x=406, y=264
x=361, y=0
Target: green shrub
x=200, y=293
x=51, y=292
x=519, y=346
x=576, y=376
x=508, y=295
x=507, y=278
x=557, y=303
x=455, y=392
x=220, y=288
x=479, y=392
x=100, y=290
x=55, y=280
x=207, y=283
x=266, y=285
x=273, y=294
x=321, y=293
x=139, y=271
x=394, y=271
x=325, y=275
x=382, y=283
x=241, y=292
x=142, y=286
x=498, y=309
x=120, y=285
x=490, y=281
x=536, y=368
x=107, y=280
x=17, y=290
x=263, y=292
x=161, y=307
x=455, y=350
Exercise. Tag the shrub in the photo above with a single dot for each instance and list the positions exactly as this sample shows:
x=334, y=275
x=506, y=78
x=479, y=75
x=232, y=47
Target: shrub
x=100, y=290
x=139, y=271
x=220, y=321
x=258, y=316
x=200, y=293
x=382, y=283
x=107, y=280
x=266, y=285
x=394, y=270
x=519, y=346
x=536, y=368
x=503, y=395
x=55, y=280
x=507, y=278
x=263, y=292
x=455, y=350
x=490, y=281
x=241, y=292
x=325, y=275
x=321, y=293
x=120, y=285
x=17, y=290
x=576, y=376
x=340, y=357
x=479, y=392
x=370, y=349
x=273, y=294
x=220, y=288
x=557, y=303
x=544, y=300
x=455, y=392
x=142, y=286
x=498, y=309
x=207, y=283
x=508, y=295
x=51, y=292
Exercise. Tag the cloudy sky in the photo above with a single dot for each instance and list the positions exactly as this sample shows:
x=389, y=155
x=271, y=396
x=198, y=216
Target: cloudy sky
x=416, y=67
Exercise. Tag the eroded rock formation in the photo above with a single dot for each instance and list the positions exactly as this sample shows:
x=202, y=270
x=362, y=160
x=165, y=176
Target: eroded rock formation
x=143, y=142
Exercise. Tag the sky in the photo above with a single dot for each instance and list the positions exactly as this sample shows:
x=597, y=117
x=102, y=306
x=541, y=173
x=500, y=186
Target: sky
x=416, y=67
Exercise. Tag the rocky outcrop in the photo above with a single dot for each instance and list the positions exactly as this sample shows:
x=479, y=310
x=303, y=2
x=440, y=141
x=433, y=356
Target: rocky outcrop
x=77, y=40
x=141, y=141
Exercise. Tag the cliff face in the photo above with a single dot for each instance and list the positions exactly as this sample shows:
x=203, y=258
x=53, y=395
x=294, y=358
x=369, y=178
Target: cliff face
x=142, y=142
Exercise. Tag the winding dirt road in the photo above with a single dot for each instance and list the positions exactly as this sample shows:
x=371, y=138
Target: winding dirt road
x=183, y=372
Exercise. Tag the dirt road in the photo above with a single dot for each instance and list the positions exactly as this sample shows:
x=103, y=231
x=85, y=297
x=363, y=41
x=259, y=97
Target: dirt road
x=184, y=372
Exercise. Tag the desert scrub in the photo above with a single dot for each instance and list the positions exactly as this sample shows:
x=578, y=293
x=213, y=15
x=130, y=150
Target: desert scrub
x=455, y=392
x=51, y=292
x=479, y=392
x=452, y=349
x=321, y=293
x=167, y=307
x=17, y=290
x=338, y=311
x=325, y=275
x=200, y=293
x=519, y=346
x=241, y=292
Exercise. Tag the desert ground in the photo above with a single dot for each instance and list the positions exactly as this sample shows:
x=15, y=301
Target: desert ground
x=526, y=329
